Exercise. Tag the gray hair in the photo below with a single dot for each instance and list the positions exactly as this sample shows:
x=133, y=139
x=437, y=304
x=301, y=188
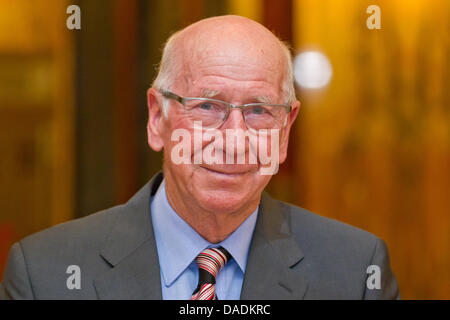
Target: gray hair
x=169, y=68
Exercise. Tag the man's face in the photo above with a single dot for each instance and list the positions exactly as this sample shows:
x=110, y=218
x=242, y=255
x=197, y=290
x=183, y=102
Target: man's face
x=235, y=75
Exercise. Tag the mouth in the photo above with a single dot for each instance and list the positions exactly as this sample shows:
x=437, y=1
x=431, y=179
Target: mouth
x=228, y=172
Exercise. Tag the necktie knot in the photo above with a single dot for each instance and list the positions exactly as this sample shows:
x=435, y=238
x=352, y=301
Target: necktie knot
x=210, y=261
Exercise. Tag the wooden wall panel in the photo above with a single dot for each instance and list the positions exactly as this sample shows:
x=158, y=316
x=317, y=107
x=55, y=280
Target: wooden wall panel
x=125, y=98
x=36, y=119
x=375, y=143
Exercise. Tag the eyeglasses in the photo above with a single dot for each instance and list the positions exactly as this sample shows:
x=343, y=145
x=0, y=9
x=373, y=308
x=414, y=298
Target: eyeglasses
x=213, y=113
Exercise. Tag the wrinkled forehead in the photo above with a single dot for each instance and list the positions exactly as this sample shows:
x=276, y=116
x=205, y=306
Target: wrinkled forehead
x=234, y=51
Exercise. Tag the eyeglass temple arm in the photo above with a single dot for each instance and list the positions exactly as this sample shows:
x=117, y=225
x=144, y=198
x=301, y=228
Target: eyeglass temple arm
x=172, y=95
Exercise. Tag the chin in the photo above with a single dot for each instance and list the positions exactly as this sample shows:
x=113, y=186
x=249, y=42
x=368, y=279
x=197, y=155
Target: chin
x=224, y=201
x=227, y=192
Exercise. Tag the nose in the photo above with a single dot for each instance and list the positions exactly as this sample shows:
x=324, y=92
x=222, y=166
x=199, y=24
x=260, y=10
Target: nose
x=235, y=120
x=235, y=140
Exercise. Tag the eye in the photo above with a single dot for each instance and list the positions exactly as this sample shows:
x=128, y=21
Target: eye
x=206, y=106
x=259, y=110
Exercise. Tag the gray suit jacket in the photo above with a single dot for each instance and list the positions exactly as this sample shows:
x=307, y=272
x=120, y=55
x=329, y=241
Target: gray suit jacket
x=294, y=254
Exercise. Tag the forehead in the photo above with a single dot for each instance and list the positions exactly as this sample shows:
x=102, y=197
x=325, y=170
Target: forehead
x=236, y=63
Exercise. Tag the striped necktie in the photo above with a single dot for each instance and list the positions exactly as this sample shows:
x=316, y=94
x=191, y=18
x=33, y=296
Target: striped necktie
x=210, y=261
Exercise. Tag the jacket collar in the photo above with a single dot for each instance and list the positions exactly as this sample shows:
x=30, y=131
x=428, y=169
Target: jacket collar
x=131, y=251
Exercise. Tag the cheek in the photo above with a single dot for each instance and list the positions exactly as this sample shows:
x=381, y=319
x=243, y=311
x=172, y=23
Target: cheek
x=177, y=134
x=284, y=140
x=271, y=144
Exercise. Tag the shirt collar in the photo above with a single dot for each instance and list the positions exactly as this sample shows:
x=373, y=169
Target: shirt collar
x=179, y=244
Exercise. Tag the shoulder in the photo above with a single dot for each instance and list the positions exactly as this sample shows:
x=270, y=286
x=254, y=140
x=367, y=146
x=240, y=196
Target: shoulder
x=338, y=256
x=37, y=265
x=330, y=226
x=322, y=237
x=90, y=232
x=87, y=228
x=71, y=240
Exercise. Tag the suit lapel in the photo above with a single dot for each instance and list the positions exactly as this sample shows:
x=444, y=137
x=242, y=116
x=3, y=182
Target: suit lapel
x=136, y=277
x=131, y=251
x=273, y=252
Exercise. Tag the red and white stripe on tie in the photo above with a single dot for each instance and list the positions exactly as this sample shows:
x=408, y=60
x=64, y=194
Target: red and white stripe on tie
x=210, y=261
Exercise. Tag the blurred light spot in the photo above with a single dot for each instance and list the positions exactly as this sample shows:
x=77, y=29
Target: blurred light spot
x=312, y=70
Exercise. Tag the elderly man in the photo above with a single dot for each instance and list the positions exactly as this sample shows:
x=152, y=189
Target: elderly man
x=204, y=228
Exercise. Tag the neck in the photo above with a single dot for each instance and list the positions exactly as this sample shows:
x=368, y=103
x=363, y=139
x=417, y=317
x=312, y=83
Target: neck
x=213, y=226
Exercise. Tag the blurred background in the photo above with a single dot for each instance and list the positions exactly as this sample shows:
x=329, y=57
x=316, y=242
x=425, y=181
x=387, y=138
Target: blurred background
x=371, y=145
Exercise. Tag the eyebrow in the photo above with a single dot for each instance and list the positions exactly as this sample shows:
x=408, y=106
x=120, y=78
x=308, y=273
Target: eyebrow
x=264, y=99
x=208, y=93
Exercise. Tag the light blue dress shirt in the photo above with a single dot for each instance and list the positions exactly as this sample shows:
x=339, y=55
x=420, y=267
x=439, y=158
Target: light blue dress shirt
x=178, y=245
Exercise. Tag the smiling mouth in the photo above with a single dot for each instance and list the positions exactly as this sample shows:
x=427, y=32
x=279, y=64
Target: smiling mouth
x=226, y=172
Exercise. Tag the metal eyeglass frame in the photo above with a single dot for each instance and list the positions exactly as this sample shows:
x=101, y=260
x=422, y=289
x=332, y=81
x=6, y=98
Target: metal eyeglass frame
x=183, y=100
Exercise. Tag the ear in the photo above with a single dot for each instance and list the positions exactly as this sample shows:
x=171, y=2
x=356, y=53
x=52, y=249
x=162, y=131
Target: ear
x=155, y=124
x=284, y=135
